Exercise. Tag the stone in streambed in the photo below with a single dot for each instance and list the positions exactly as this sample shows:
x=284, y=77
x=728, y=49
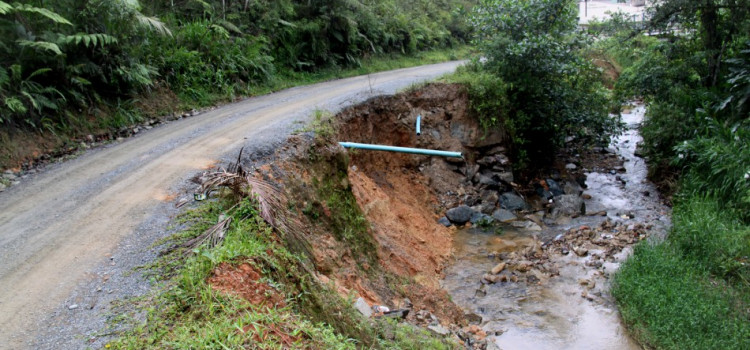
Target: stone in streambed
x=498, y=268
x=512, y=201
x=445, y=222
x=554, y=187
x=568, y=205
x=503, y=215
x=459, y=215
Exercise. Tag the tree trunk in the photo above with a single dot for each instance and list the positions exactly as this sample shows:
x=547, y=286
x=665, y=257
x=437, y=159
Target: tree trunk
x=711, y=41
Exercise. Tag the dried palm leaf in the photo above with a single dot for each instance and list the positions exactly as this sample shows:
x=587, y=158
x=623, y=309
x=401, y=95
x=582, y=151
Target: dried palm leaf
x=211, y=237
x=272, y=203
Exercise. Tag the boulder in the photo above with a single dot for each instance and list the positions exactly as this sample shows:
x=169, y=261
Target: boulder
x=572, y=188
x=459, y=215
x=512, y=201
x=503, y=215
x=568, y=205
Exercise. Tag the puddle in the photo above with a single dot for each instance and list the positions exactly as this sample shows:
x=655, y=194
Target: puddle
x=572, y=309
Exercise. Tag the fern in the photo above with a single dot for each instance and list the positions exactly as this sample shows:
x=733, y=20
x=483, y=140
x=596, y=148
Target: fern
x=154, y=24
x=5, y=8
x=88, y=40
x=15, y=105
x=40, y=45
x=43, y=12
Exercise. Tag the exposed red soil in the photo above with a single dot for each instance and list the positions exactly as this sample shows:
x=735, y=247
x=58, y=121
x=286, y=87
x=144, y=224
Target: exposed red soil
x=244, y=281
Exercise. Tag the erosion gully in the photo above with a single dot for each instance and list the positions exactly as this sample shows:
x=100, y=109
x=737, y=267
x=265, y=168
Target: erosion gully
x=573, y=310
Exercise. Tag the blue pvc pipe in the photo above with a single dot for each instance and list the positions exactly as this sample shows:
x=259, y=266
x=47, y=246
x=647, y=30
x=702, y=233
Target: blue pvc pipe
x=428, y=152
x=419, y=126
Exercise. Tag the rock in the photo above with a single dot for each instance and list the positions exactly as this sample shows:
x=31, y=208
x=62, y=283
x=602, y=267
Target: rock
x=570, y=166
x=472, y=170
x=73, y=307
x=572, y=188
x=438, y=329
x=380, y=309
x=512, y=201
x=580, y=251
x=568, y=205
x=503, y=215
x=473, y=318
x=523, y=266
x=547, y=195
x=488, y=180
x=487, y=161
x=498, y=268
x=526, y=225
x=489, y=197
x=506, y=176
x=400, y=313
x=2, y=187
x=459, y=215
x=362, y=306
x=481, y=219
x=480, y=293
x=490, y=278
x=554, y=187
x=586, y=196
x=445, y=222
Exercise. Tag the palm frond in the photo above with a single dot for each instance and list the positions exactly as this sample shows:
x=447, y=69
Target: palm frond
x=154, y=24
x=211, y=237
x=272, y=203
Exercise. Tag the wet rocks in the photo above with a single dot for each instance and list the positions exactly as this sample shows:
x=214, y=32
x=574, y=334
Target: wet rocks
x=459, y=215
x=444, y=221
x=503, y=215
x=498, y=268
x=512, y=201
x=568, y=205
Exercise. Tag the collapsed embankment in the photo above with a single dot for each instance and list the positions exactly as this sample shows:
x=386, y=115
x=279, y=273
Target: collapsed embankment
x=375, y=231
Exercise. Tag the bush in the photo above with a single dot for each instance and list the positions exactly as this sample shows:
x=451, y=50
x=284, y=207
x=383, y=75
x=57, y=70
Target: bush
x=552, y=90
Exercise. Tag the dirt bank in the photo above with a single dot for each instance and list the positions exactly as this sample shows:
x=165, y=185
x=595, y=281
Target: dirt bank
x=383, y=224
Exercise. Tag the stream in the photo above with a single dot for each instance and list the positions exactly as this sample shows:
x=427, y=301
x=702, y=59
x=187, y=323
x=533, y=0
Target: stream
x=571, y=308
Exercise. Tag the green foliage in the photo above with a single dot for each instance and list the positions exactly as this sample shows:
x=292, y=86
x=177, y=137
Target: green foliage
x=100, y=52
x=552, y=90
x=718, y=165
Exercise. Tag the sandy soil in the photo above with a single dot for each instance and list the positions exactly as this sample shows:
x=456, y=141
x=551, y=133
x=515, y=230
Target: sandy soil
x=60, y=228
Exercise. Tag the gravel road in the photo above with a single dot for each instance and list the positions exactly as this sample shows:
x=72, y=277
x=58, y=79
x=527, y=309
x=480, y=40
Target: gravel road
x=72, y=235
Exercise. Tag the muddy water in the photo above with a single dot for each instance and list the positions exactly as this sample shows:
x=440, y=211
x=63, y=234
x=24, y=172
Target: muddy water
x=573, y=310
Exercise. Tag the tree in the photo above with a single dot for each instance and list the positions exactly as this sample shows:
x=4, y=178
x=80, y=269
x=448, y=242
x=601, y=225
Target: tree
x=554, y=92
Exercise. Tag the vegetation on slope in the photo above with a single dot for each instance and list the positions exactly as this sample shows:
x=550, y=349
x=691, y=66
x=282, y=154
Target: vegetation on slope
x=71, y=67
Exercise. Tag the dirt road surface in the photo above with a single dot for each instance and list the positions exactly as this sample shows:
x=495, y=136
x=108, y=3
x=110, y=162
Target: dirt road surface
x=71, y=235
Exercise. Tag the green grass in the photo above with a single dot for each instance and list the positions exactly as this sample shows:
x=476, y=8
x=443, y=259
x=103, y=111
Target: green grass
x=690, y=291
x=186, y=313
